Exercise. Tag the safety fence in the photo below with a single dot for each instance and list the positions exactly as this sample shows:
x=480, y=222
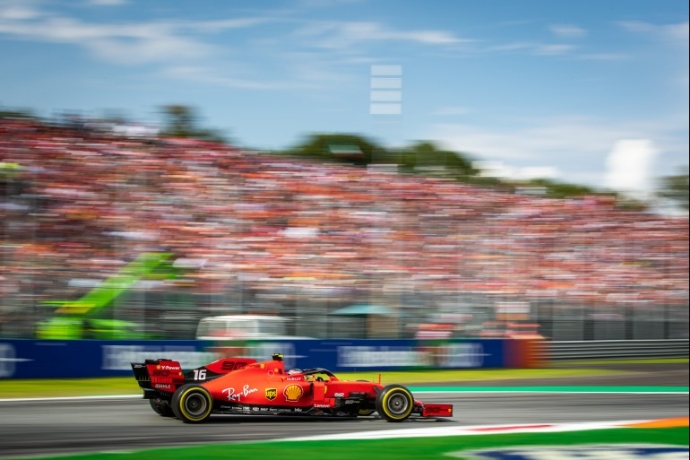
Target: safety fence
x=601, y=349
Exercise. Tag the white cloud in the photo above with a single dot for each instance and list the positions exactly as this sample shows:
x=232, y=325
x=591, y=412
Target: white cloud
x=108, y=2
x=451, y=111
x=18, y=12
x=637, y=26
x=327, y=3
x=677, y=33
x=208, y=76
x=603, y=57
x=301, y=77
x=629, y=165
x=500, y=169
x=680, y=32
x=224, y=24
x=540, y=49
x=567, y=31
x=539, y=172
x=128, y=43
x=553, y=49
x=576, y=147
x=543, y=139
x=341, y=35
x=512, y=46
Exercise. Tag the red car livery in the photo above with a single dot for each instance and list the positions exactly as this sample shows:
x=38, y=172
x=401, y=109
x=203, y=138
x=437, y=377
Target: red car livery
x=250, y=387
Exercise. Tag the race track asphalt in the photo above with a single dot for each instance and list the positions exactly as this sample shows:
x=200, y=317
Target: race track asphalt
x=29, y=428
x=646, y=374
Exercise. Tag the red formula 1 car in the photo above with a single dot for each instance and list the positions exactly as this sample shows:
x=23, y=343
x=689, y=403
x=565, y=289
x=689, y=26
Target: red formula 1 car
x=245, y=386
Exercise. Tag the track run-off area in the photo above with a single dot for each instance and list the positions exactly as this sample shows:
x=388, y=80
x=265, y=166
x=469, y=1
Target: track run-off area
x=126, y=427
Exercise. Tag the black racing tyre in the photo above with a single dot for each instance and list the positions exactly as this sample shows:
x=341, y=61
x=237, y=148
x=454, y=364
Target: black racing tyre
x=192, y=403
x=161, y=407
x=395, y=403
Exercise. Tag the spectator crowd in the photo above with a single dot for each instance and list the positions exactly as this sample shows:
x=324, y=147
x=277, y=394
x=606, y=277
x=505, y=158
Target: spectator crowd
x=82, y=202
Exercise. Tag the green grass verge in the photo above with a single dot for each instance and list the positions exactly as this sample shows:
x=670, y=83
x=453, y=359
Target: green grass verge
x=398, y=449
x=127, y=385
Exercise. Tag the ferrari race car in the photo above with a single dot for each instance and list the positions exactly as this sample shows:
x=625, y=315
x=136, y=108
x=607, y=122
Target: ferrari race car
x=251, y=387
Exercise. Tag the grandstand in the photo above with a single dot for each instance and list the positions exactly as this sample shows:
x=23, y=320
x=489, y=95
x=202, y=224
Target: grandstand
x=299, y=238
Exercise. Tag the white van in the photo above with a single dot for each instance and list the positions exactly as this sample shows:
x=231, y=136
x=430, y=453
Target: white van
x=242, y=327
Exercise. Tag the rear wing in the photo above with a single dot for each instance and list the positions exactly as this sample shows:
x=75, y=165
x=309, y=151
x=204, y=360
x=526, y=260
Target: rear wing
x=158, y=374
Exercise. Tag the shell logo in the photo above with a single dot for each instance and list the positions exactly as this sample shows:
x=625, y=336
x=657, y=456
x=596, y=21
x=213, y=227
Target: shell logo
x=292, y=393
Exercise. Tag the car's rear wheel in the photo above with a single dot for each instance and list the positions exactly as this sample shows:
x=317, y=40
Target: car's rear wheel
x=192, y=403
x=395, y=403
x=161, y=407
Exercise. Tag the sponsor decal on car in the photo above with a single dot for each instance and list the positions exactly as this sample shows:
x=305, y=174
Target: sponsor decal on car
x=165, y=367
x=237, y=396
x=292, y=393
x=271, y=393
x=578, y=452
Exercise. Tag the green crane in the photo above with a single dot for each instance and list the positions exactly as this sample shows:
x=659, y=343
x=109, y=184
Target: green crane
x=86, y=317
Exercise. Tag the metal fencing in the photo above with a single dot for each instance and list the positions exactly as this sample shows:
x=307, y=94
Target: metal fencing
x=603, y=349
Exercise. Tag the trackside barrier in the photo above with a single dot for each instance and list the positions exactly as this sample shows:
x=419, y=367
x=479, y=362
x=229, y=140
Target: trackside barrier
x=34, y=359
x=593, y=349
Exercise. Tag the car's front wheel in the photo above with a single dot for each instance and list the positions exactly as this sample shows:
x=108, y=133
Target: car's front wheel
x=394, y=403
x=192, y=403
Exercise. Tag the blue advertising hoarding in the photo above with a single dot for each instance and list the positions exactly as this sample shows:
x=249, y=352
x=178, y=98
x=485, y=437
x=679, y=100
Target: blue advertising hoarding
x=32, y=359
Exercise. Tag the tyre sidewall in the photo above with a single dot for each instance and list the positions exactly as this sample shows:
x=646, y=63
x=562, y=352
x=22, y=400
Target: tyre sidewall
x=182, y=395
x=383, y=399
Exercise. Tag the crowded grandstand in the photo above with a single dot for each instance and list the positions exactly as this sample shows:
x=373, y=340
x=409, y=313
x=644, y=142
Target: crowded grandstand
x=255, y=232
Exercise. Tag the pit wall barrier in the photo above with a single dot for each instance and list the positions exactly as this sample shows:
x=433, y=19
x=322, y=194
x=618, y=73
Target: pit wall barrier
x=37, y=359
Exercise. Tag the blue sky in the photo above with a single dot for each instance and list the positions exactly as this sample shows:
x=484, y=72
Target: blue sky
x=588, y=92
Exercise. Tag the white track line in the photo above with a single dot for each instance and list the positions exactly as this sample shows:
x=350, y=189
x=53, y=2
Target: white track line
x=477, y=430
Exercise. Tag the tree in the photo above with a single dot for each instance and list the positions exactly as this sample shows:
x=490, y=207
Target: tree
x=17, y=114
x=675, y=188
x=350, y=148
x=555, y=189
x=181, y=121
x=425, y=154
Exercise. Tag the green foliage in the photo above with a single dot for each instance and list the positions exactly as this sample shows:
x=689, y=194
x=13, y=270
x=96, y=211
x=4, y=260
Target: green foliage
x=17, y=114
x=561, y=189
x=347, y=148
x=181, y=121
x=675, y=188
x=425, y=154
